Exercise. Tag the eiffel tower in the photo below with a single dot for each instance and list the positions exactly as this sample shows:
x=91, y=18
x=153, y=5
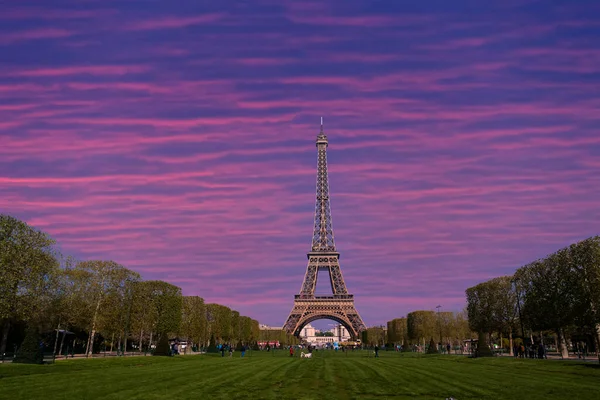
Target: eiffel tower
x=323, y=257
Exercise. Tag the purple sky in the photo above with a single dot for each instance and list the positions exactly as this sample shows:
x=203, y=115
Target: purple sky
x=178, y=139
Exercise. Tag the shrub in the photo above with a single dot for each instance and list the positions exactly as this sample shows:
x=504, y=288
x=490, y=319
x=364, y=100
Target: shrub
x=432, y=349
x=30, y=351
x=212, y=346
x=162, y=347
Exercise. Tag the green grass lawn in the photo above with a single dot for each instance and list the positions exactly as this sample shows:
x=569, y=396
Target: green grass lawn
x=262, y=375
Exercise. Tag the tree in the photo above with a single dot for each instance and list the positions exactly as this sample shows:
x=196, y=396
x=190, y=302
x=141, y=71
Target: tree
x=27, y=264
x=143, y=312
x=397, y=331
x=373, y=336
x=193, y=321
x=166, y=301
x=235, y=326
x=481, y=314
x=505, y=307
x=165, y=307
x=421, y=325
x=445, y=326
x=585, y=257
x=461, y=326
x=117, y=307
x=105, y=288
x=492, y=306
x=549, y=293
x=246, y=329
x=219, y=320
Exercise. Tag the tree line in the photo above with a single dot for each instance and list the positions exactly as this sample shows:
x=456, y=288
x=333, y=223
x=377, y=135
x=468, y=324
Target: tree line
x=558, y=295
x=271, y=336
x=99, y=305
x=424, y=326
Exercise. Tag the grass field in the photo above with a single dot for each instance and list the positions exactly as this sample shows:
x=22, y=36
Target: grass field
x=262, y=375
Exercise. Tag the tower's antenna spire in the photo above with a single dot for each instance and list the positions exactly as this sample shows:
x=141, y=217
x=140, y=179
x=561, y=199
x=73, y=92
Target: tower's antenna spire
x=321, y=124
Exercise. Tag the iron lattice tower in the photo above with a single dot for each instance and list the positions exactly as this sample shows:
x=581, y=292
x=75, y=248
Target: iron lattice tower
x=323, y=257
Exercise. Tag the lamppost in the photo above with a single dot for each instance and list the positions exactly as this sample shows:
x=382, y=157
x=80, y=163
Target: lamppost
x=439, y=323
x=515, y=280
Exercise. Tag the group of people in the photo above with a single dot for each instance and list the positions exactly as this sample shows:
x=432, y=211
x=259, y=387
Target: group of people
x=530, y=351
x=309, y=349
x=229, y=348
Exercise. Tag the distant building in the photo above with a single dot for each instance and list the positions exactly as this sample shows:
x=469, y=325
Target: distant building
x=341, y=333
x=311, y=335
x=264, y=327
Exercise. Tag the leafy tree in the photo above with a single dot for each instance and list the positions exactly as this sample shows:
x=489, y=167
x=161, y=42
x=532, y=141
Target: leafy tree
x=166, y=301
x=103, y=285
x=246, y=329
x=116, y=315
x=492, y=306
x=481, y=314
x=421, y=325
x=28, y=264
x=165, y=309
x=397, y=331
x=235, y=326
x=193, y=322
x=66, y=302
x=549, y=294
x=585, y=257
x=144, y=316
x=445, y=326
x=505, y=307
x=219, y=320
x=254, y=330
x=373, y=336
x=461, y=328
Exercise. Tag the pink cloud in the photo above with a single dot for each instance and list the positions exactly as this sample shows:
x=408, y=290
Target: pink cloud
x=82, y=70
x=34, y=34
x=174, y=22
x=53, y=14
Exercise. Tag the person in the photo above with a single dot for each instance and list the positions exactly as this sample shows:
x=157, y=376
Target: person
x=448, y=347
x=222, y=350
x=521, y=351
x=541, y=351
x=243, y=350
x=291, y=351
x=230, y=350
x=531, y=351
x=376, y=351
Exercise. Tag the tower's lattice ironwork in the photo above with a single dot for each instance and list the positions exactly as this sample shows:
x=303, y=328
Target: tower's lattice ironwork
x=323, y=257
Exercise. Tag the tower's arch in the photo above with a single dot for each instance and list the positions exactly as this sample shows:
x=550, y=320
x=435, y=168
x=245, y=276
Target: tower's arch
x=340, y=320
